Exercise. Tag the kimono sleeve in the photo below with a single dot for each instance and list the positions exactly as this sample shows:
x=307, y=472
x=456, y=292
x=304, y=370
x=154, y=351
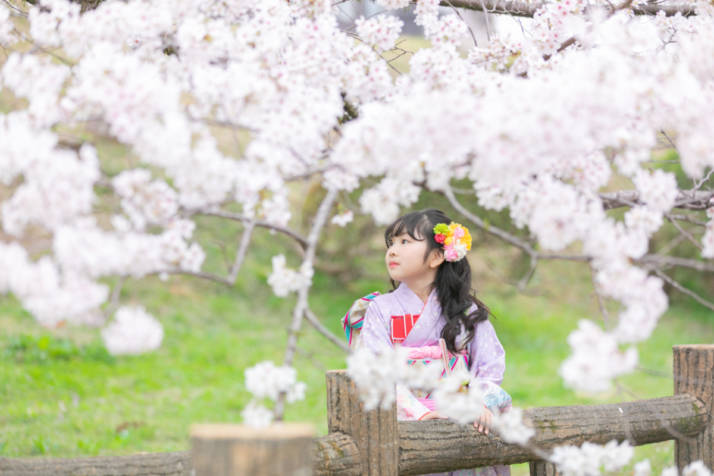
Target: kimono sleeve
x=375, y=331
x=488, y=363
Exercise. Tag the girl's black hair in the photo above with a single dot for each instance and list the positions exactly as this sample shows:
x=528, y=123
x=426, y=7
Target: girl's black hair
x=453, y=278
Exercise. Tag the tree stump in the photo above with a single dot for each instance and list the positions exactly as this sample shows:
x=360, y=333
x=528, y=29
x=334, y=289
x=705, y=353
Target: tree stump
x=236, y=450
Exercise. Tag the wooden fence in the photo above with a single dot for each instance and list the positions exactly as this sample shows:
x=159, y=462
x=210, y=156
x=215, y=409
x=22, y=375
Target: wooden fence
x=375, y=443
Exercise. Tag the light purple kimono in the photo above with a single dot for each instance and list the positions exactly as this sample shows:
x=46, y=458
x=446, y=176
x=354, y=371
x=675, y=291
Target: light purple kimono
x=485, y=354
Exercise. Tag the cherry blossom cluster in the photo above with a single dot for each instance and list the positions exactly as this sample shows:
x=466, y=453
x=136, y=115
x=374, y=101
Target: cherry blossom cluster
x=377, y=375
x=285, y=280
x=264, y=381
x=591, y=459
x=133, y=331
x=381, y=31
x=226, y=103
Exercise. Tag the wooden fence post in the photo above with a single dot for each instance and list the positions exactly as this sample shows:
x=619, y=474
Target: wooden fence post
x=543, y=468
x=237, y=450
x=375, y=432
x=694, y=374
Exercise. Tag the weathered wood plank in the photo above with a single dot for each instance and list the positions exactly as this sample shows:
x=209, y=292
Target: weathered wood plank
x=694, y=375
x=157, y=464
x=435, y=446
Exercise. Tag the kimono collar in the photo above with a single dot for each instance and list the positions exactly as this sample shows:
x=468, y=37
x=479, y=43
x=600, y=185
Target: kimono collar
x=410, y=301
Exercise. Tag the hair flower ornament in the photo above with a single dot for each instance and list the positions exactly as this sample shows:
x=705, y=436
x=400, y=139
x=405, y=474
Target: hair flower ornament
x=455, y=238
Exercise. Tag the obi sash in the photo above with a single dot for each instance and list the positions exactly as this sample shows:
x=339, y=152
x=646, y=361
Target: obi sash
x=427, y=354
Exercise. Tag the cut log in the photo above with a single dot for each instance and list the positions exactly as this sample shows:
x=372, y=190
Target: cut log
x=437, y=446
x=337, y=454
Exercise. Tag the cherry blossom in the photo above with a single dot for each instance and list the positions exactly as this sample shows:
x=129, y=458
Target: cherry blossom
x=133, y=331
x=284, y=280
x=511, y=428
x=264, y=381
x=590, y=459
x=381, y=31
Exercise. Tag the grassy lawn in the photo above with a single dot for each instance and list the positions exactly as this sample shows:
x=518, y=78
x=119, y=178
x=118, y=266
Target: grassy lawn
x=63, y=395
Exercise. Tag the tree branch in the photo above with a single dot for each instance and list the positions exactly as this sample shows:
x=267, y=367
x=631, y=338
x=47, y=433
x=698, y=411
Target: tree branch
x=683, y=232
x=507, y=237
x=493, y=230
x=240, y=254
x=302, y=303
x=312, y=319
x=658, y=261
x=684, y=290
x=262, y=224
x=686, y=199
x=524, y=8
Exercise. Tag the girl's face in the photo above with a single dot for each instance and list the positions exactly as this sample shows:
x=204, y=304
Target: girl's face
x=405, y=260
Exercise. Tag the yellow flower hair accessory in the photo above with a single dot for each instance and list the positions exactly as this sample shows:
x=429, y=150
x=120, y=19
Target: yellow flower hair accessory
x=455, y=238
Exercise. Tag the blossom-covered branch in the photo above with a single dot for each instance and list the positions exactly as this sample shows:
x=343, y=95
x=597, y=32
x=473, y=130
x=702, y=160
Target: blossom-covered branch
x=527, y=8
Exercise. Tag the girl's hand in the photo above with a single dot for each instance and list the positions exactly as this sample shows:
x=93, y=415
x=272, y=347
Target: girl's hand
x=484, y=421
x=433, y=415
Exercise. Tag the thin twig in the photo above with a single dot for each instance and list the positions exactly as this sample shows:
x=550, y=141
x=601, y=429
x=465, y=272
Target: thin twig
x=196, y=274
x=683, y=232
x=493, y=230
x=471, y=31
x=662, y=260
x=600, y=300
x=313, y=319
x=697, y=186
x=311, y=357
x=17, y=11
x=240, y=254
x=669, y=139
x=672, y=244
x=682, y=289
x=261, y=224
x=507, y=237
x=114, y=299
x=527, y=277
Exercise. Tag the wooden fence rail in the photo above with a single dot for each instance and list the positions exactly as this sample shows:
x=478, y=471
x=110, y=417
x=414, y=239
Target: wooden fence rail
x=375, y=443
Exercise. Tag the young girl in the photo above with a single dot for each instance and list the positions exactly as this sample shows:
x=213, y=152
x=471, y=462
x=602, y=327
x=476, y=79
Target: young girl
x=426, y=256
